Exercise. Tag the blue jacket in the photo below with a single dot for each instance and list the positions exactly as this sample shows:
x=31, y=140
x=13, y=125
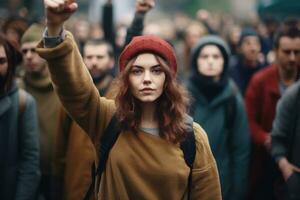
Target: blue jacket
x=19, y=148
x=232, y=166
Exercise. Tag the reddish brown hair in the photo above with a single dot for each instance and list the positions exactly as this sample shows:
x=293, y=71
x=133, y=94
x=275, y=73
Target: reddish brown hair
x=172, y=105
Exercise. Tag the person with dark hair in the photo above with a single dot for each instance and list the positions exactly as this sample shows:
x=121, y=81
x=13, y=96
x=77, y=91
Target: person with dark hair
x=249, y=59
x=262, y=95
x=98, y=56
x=286, y=140
x=14, y=27
x=218, y=107
x=19, y=146
x=150, y=109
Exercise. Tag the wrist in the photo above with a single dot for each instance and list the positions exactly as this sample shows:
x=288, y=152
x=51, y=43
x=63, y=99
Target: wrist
x=54, y=30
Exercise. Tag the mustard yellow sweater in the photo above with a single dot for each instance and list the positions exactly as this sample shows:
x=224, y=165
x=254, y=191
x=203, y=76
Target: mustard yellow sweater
x=140, y=166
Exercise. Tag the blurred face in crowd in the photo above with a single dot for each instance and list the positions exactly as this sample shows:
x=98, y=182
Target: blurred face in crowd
x=97, y=59
x=234, y=35
x=146, y=78
x=3, y=62
x=250, y=48
x=210, y=61
x=33, y=63
x=193, y=33
x=288, y=53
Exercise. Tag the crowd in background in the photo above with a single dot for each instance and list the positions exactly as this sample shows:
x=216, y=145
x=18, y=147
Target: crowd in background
x=46, y=155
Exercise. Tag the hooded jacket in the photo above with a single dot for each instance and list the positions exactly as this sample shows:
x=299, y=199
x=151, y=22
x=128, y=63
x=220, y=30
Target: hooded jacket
x=19, y=147
x=209, y=110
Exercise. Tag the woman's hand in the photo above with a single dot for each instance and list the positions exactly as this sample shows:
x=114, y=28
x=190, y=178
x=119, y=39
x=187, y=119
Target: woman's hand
x=57, y=12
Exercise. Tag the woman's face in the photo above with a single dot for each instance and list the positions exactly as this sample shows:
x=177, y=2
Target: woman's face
x=210, y=61
x=3, y=61
x=146, y=78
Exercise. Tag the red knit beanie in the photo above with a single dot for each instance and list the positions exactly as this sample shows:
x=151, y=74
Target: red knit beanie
x=148, y=44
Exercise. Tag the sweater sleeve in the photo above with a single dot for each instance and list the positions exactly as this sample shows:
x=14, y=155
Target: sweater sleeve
x=240, y=151
x=136, y=28
x=28, y=171
x=205, y=177
x=253, y=107
x=75, y=87
x=108, y=23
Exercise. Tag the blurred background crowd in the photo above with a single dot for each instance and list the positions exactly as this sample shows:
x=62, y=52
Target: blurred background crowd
x=264, y=60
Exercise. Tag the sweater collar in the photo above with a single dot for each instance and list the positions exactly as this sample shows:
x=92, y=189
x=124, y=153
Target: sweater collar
x=38, y=81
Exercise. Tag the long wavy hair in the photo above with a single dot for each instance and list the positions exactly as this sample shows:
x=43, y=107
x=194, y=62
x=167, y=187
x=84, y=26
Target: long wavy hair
x=171, y=107
x=14, y=58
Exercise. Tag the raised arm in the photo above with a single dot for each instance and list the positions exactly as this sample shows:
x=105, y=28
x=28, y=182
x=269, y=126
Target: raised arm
x=137, y=26
x=69, y=75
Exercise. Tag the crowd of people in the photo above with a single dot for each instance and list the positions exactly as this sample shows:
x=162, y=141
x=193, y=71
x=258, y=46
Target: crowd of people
x=194, y=108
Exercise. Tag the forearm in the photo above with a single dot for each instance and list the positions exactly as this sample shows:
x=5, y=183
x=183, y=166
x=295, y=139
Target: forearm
x=108, y=23
x=71, y=79
x=136, y=27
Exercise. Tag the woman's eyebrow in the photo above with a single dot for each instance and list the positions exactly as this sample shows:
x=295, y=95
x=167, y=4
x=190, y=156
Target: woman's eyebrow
x=137, y=66
x=156, y=66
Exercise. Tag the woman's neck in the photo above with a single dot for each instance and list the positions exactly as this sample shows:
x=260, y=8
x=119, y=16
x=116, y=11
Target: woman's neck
x=149, y=118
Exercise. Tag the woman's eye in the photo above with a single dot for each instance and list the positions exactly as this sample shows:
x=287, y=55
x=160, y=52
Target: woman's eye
x=204, y=56
x=156, y=71
x=136, y=71
x=216, y=56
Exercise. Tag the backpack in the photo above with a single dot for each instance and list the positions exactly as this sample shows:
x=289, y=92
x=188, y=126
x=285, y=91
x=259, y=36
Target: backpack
x=188, y=146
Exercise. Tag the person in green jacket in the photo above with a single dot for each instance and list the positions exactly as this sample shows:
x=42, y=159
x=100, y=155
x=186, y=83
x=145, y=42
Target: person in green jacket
x=218, y=107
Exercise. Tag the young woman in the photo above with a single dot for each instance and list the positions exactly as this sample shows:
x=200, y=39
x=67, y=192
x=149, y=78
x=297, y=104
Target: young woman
x=146, y=162
x=19, y=145
x=218, y=107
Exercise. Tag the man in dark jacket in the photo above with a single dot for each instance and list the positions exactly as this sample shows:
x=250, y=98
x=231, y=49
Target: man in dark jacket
x=286, y=140
x=264, y=90
x=249, y=59
x=19, y=147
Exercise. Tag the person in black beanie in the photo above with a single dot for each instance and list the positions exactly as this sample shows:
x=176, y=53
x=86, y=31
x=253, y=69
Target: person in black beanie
x=249, y=59
x=218, y=101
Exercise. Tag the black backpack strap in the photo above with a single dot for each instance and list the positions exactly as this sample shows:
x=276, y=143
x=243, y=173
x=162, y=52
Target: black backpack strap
x=108, y=140
x=188, y=146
